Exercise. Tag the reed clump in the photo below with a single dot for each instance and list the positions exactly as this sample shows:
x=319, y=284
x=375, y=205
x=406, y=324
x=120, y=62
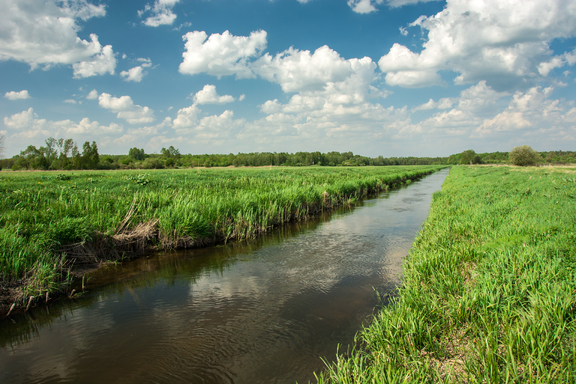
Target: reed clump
x=489, y=287
x=52, y=225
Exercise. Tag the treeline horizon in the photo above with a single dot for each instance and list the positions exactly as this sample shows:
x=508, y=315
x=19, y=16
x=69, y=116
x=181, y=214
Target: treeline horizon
x=61, y=154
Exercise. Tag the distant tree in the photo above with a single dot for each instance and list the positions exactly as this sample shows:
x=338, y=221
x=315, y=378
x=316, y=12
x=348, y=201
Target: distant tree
x=523, y=155
x=90, y=157
x=1, y=147
x=470, y=157
x=170, y=152
x=137, y=154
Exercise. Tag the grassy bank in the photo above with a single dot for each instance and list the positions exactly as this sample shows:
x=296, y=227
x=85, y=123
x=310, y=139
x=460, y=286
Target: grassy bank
x=489, y=288
x=51, y=220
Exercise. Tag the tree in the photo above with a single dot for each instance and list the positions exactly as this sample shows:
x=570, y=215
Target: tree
x=90, y=157
x=523, y=155
x=137, y=154
x=470, y=157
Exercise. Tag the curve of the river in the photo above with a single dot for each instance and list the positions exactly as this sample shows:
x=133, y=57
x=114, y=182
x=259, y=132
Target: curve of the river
x=264, y=311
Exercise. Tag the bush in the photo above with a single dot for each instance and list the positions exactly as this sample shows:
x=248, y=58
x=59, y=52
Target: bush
x=523, y=155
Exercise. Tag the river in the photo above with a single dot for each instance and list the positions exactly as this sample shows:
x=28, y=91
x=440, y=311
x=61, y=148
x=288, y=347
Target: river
x=261, y=311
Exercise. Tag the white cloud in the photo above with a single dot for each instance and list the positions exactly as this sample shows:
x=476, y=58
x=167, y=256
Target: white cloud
x=183, y=25
x=126, y=109
x=186, y=117
x=533, y=109
x=133, y=74
x=493, y=40
x=443, y=103
x=29, y=126
x=401, y=3
x=99, y=64
x=364, y=6
x=13, y=95
x=44, y=33
x=70, y=101
x=85, y=126
x=557, y=62
x=25, y=120
x=221, y=55
x=92, y=95
x=160, y=13
x=146, y=62
x=208, y=95
x=298, y=70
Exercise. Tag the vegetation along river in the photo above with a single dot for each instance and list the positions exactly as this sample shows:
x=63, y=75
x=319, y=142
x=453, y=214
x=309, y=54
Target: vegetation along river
x=263, y=311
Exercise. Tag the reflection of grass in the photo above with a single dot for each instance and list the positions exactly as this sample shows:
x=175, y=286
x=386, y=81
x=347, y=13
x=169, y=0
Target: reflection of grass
x=43, y=213
x=489, y=289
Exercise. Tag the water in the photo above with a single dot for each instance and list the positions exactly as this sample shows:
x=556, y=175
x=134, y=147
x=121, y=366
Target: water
x=264, y=311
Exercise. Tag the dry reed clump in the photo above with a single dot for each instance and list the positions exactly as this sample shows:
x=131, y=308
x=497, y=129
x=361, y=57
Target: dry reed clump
x=125, y=244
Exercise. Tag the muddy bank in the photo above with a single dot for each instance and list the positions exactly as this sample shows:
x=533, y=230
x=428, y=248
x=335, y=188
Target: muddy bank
x=142, y=239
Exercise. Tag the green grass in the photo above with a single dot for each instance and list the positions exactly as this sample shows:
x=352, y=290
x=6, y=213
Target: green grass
x=40, y=212
x=489, y=287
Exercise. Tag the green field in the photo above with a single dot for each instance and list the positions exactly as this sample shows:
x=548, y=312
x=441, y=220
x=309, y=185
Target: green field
x=51, y=219
x=489, y=287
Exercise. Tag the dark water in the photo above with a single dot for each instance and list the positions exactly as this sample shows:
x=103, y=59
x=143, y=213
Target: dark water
x=256, y=312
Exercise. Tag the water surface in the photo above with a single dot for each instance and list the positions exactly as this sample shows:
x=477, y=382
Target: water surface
x=264, y=311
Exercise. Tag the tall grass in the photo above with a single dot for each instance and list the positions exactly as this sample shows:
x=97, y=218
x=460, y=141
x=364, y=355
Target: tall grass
x=41, y=212
x=489, y=287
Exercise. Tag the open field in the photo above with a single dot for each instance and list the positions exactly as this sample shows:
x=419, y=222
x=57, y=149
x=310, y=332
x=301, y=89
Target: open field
x=51, y=220
x=489, y=288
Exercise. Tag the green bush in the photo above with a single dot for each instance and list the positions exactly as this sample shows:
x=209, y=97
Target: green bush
x=523, y=155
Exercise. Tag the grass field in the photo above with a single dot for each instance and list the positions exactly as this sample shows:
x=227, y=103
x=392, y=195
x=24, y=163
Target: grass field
x=50, y=218
x=489, y=287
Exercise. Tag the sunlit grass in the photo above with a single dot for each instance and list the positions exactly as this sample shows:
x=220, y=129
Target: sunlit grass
x=489, y=287
x=43, y=211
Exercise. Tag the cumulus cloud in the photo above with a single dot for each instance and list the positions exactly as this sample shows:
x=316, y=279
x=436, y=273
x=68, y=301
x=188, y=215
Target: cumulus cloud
x=92, y=95
x=297, y=70
x=221, y=54
x=568, y=58
x=160, y=13
x=25, y=120
x=133, y=74
x=491, y=40
x=533, y=109
x=126, y=109
x=364, y=6
x=13, y=95
x=44, y=33
x=137, y=73
x=70, y=101
x=29, y=125
x=208, y=95
x=443, y=103
x=99, y=64
x=186, y=117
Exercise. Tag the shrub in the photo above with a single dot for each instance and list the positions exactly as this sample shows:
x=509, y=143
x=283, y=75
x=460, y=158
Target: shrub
x=523, y=155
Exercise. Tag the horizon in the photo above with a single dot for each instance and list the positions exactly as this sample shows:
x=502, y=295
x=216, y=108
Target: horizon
x=391, y=78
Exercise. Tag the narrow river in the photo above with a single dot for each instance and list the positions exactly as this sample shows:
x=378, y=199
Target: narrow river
x=263, y=311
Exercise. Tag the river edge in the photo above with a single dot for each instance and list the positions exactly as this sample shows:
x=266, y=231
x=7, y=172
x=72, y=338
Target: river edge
x=81, y=258
x=488, y=288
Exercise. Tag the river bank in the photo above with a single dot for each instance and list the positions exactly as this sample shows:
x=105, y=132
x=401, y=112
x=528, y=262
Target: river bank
x=56, y=227
x=263, y=310
x=489, y=288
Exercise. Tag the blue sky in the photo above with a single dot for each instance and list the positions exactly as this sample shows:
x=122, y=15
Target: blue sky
x=376, y=77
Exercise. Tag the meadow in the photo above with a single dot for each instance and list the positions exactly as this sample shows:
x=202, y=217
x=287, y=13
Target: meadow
x=489, y=288
x=53, y=222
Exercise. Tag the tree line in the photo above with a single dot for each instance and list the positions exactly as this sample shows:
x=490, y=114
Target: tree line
x=64, y=154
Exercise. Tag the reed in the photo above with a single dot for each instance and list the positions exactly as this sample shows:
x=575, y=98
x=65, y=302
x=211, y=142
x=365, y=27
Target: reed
x=82, y=215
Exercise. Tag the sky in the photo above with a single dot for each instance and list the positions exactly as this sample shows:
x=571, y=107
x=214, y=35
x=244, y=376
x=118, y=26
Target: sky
x=375, y=77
